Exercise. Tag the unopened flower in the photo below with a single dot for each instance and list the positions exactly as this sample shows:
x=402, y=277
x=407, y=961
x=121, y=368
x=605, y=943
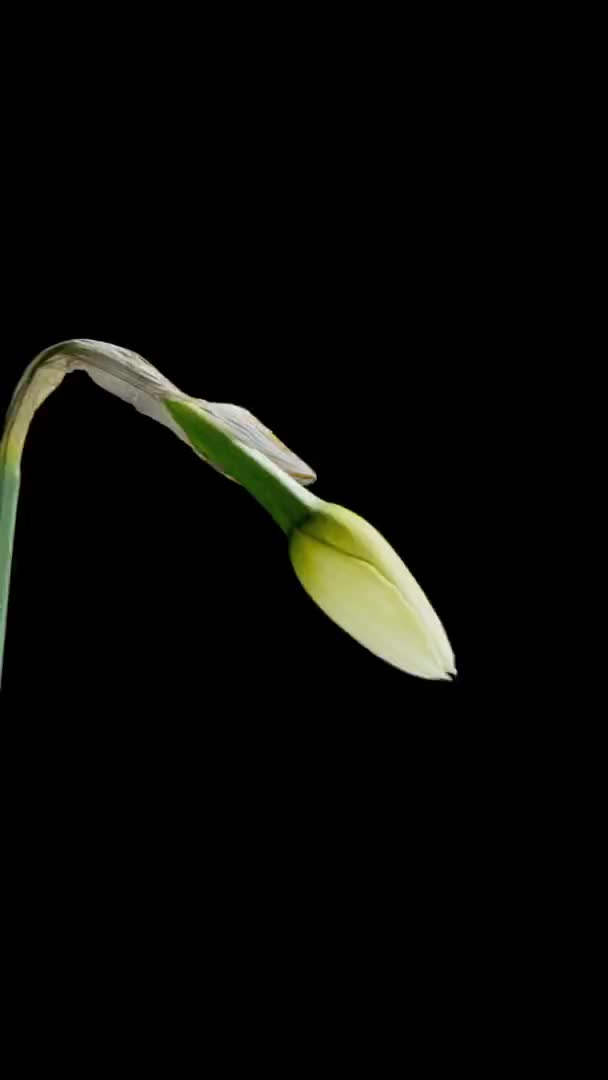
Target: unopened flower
x=344, y=564
x=357, y=579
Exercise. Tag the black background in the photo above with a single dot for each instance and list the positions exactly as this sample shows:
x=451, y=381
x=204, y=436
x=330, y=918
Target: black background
x=182, y=726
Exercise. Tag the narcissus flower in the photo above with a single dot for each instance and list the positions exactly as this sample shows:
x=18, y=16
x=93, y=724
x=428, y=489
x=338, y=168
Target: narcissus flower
x=357, y=579
x=344, y=564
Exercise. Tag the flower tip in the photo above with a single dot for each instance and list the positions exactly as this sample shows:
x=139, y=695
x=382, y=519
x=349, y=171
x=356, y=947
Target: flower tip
x=439, y=676
x=451, y=670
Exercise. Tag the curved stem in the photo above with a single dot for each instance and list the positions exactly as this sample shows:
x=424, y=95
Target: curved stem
x=226, y=436
x=39, y=380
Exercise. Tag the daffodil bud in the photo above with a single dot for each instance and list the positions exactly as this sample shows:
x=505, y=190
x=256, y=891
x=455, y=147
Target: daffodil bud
x=344, y=564
x=360, y=582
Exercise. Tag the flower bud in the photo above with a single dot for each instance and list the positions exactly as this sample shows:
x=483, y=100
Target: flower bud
x=360, y=582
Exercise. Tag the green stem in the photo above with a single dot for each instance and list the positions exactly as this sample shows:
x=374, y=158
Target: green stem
x=37, y=382
x=10, y=476
x=286, y=501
